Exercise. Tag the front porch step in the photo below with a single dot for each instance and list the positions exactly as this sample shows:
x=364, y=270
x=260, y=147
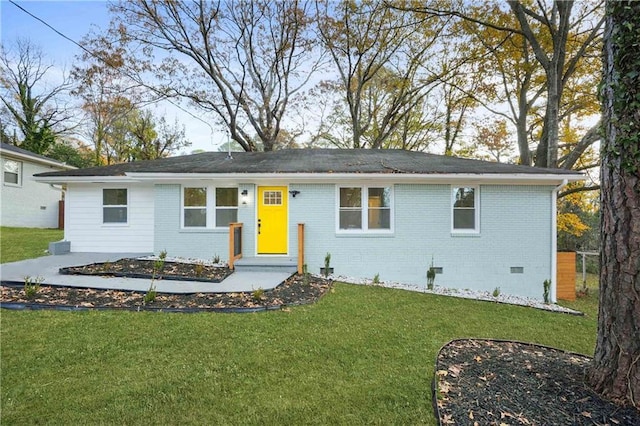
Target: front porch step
x=283, y=264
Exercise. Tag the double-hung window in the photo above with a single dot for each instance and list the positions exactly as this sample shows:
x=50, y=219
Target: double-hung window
x=209, y=207
x=365, y=208
x=114, y=205
x=12, y=172
x=226, y=206
x=465, y=209
x=195, y=207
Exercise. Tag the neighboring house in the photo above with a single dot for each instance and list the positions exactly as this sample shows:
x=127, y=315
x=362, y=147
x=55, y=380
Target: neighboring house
x=26, y=203
x=387, y=212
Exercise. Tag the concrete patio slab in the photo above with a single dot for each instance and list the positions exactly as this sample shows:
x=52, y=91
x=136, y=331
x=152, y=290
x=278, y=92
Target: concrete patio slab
x=47, y=268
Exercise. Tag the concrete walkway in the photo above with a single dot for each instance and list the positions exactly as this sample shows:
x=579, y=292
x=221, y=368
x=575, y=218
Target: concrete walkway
x=47, y=268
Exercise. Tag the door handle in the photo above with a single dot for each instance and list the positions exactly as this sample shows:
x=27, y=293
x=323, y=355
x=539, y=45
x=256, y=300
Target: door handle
x=259, y=225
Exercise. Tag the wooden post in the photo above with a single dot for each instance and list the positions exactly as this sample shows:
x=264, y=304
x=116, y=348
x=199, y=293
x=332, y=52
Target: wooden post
x=61, y=214
x=566, y=276
x=235, y=253
x=300, y=248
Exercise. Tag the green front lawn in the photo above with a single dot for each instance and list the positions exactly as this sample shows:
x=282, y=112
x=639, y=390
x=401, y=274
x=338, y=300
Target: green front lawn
x=362, y=355
x=25, y=243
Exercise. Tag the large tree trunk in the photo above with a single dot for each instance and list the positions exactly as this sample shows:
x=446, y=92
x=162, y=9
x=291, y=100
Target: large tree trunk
x=616, y=366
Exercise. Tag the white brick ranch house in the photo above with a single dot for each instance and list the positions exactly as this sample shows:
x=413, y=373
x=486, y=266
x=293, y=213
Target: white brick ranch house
x=386, y=212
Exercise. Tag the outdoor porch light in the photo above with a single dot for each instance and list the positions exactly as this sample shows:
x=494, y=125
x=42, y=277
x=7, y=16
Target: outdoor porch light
x=245, y=196
x=294, y=192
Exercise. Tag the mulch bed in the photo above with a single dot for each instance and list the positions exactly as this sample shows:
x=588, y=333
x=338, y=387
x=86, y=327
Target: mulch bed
x=486, y=382
x=294, y=291
x=137, y=268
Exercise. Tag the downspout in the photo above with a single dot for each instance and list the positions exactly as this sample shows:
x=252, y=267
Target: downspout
x=554, y=240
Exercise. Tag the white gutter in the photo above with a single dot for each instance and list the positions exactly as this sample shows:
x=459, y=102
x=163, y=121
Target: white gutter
x=554, y=240
x=442, y=178
x=357, y=176
x=80, y=179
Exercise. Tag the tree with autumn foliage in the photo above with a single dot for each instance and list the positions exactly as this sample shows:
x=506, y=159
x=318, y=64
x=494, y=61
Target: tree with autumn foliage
x=542, y=61
x=105, y=93
x=493, y=142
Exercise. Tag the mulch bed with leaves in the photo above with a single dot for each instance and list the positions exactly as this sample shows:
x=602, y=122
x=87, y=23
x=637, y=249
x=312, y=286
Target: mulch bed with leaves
x=139, y=268
x=294, y=291
x=487, y=382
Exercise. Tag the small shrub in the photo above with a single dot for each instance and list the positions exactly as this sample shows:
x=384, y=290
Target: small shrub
x=496, y=292
x=305, y=275
x=216, y=259
x=158, y=265
x=376, y=279
x=258, y=294
x=107, y=266
x=431, y=275
x=32, y=286
x=199, y=269
x=546, y=286
x=327, y=264
x=150, y=295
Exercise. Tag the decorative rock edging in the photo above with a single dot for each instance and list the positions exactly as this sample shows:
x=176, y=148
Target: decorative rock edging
x=465, y=294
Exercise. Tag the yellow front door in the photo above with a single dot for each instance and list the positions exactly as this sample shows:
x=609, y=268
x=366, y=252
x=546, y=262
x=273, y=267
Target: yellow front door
x=272, y=220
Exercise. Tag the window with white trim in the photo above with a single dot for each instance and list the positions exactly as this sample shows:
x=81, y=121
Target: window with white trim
x=209, y=207
x=465, y=209
x=12, y=172
x=226, y=206
x=195, y=207
x=364, y=208
x=114, y=205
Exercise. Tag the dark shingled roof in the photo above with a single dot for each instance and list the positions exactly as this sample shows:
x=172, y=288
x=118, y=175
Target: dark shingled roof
x=312, y=161
x=17, y=150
